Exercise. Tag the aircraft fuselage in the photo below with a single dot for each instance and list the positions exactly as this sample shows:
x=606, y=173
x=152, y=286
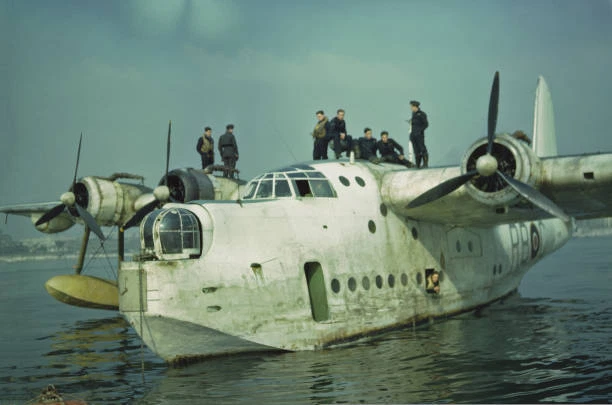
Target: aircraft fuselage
x=302, y=272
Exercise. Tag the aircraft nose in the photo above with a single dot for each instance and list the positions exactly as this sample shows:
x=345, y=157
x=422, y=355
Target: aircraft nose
x=176, y=233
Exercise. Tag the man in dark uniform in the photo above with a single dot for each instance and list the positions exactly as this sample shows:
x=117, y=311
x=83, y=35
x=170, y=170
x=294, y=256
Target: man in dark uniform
x=346, y=144
x=387, y=148
x=417, y=135
x=367, y=146
x=320, y=137
x=206, y=148
x=228, y=150
x=337, y=126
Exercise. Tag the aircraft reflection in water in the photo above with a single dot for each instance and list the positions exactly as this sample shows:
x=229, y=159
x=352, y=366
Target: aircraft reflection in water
x=316, y=254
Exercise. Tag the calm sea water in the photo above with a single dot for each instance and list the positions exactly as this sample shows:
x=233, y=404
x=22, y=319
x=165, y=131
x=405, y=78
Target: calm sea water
x=550, y=342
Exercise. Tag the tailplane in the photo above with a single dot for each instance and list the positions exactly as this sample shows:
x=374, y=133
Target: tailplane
x=544, y=137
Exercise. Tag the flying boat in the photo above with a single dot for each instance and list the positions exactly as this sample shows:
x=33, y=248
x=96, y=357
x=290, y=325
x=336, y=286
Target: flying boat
x=317, y=254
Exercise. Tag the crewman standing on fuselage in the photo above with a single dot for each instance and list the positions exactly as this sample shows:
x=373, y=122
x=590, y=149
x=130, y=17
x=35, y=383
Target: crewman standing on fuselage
x=228, y=148
x=206, y=148
x=320, y=135
x=417, y=134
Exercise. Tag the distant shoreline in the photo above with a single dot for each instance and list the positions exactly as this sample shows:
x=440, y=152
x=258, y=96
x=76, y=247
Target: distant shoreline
x=16, y=259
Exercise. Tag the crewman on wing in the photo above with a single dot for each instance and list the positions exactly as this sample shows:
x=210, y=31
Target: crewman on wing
x=228, y=148
x=206, y=148
x=321, y=137
x=367, y=146
x=417, y=134
x=387, y=148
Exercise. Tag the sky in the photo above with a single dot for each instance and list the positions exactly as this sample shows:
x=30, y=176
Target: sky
x=119, y=70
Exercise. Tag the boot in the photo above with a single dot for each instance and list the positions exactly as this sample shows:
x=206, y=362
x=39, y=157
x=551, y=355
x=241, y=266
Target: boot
x=407, y=163
x=425, y=161
x=418, y=161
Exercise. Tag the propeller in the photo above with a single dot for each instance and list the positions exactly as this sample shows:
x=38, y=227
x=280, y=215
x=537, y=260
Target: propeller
x=488, y=168
x=70, y=200
x=161, y=192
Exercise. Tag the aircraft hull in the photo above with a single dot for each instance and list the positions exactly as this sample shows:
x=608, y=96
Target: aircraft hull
x=261, y=298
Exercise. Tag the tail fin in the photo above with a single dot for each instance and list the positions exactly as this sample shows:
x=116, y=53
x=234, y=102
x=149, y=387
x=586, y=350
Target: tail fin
x=544, y=137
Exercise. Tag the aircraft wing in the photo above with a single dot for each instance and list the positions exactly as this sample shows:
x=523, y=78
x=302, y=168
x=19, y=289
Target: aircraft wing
x=28, y=210
x=581, y=186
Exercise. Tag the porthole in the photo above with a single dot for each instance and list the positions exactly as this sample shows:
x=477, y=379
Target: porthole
x=419, y=278
x=458, y=246
x=470, y=246
x=494, y=269
x=371, y=226
x=379, y=282
x=360, y=181
x=383, y=210
x=335, y=285
x=404, y=279
x=415, y=233
x=344, y=181
x=365, y=282
x=352, y=284
x=499, y=269
x=391, y=280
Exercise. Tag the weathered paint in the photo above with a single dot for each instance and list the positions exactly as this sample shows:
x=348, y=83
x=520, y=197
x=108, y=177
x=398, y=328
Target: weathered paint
x=253, y=272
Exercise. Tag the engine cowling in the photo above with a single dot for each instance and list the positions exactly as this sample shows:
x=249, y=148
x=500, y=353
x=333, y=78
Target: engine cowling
x=514, y=159
x=109, y=202
x=190, y=184
x=58, y=224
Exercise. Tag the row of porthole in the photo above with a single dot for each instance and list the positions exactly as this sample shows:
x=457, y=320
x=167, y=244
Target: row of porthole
x=378, y=280
x=365, y=282
x=346, y=182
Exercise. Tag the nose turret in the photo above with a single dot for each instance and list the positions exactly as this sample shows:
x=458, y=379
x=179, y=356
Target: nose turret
x=175, y=233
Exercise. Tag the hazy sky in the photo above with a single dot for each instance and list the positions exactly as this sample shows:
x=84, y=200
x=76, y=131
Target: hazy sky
x=118, y=70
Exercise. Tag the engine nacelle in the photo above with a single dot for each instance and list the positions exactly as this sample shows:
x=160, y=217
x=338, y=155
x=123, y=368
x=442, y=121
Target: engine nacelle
x=109, y=202
x=190, y=184
x=58, y=224
x=514, y=159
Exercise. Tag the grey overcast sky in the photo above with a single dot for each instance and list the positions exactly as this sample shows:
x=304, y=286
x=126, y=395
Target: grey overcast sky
x=118, y=70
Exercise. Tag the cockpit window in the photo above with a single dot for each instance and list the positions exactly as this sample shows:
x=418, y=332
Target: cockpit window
x=298, y=181
x=321, y=188
x=264, y=190
x=281, y=188
x=250, y=190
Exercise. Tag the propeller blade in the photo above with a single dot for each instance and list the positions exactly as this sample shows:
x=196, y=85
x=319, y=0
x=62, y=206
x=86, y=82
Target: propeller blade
x=76, y=168
x=168, y=151
x=535, y=197
x=442, y=189
x=493, y=104
x=140, y=214
x=90, y=221
x=49, y=215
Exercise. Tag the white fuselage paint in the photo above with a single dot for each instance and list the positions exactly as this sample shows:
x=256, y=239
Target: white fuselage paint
x=248, y=291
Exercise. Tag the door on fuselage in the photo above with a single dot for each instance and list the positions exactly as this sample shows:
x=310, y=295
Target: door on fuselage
x=316, y=291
